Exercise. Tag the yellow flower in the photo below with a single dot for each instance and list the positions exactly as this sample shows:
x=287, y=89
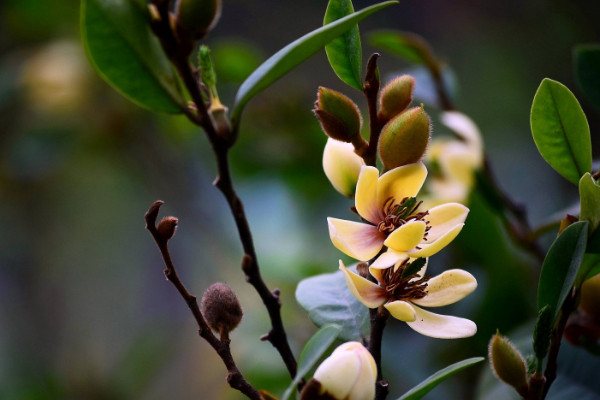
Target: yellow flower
x=402, y=296
x=392, y=217
x=342, y=166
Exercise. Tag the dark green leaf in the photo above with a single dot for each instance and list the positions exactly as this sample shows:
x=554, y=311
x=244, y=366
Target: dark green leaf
x=316, y=346
x=587, y=72
x=428, y=384
x=344, y=52
x=293, y=54
x=561, y=266
x=414, y=267
x=328, y=300
x=589, y=195
x=121, y=47
x=560, y=130
x=542, y=331
x=590, y=266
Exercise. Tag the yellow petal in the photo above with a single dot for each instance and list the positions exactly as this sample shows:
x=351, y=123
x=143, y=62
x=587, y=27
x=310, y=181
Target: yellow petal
x=448, y=288
x=406, y=237
x=366, y=195
x=401, y=182
x=342, y=166
x=367, y=292
x=358, y=240
x=441, y=326
x=430, y=248
x=464, y=126
x=389, y=259
x=445, y=217
x=401, y=310
x=338, y=373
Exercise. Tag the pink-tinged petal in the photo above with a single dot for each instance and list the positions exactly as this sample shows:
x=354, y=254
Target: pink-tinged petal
x=367, y=292
x=442, y=326
x=401, y=310
x=366, y=195
x=358, y=240
x=445, y=217
x=430, y=248
x=406, y=237
x=389, y=259
x=401, y=182
x=448, y=288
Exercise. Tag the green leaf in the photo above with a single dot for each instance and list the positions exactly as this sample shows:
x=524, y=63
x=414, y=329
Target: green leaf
x=120, y=45
x=589, y=195
x=328, y=300
x=590, y=266
x=404, y=44
x=587, y=71
x=560, y=130
x=293, y=54
x=428, y=384
x=561, y=266
x=414, y=267
x=344, y=52
x=316, y=346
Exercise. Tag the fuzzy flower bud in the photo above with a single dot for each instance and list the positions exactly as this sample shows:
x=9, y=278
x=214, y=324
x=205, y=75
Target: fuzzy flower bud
x=221, y=308
x=339, y=117
x=508, y=363
x=349, y=373
x=342, y=166
x=195, y=18
x=395, y=97
x=166, y=227
x=405, y=138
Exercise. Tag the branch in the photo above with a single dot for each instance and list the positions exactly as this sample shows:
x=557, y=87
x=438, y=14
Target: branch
x=379, y=318
x=371, y=91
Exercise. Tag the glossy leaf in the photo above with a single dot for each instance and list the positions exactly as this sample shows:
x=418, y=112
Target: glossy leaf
x=560, y=130
x=428, y=384
x=344, y=52
x=589, y=195
x=120, y=45
x=293, y=54
x=587, y=72
x=329, y=301
x=316, y=346
x=561, y=266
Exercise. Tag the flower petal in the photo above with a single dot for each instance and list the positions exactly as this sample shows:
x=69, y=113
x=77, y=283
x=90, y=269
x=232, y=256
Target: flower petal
x=406, y=237
x=445, y=217
x=448, y=288
x=365, y=291
x=366, y=195
x=429, y=249
x=342, y=166
x=389, y=259
x=401, y=310
x=401, y=182
x=338, y=373
x=358, y=240
x=442, y=326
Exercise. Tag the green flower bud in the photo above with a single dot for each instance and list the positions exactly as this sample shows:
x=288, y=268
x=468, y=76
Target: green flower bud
x=395, y=97
x=405, y=138
x=221, y=309
x=508, y=364
x=195, y=18
x=339, y=117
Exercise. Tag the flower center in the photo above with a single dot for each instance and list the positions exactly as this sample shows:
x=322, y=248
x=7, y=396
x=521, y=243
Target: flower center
x=397, y=214
x=400, y=287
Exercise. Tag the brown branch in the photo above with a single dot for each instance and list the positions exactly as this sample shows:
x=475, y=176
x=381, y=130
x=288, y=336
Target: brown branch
x=371, y=91
x=379, y=318
x=234, y=377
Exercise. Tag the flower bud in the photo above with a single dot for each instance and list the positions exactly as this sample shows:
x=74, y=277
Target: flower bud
x=405, y=138
x=221, y=308
x=342, y=166
x=349, y=373
x=339, y=117
x=195, y=18
x=508, y=363
x=395, y=97
x=166, y=227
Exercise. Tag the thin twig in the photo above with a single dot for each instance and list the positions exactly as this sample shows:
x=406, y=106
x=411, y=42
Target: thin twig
x=371, y=91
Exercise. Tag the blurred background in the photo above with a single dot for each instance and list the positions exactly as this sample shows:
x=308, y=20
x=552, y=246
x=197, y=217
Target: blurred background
x=85, y=311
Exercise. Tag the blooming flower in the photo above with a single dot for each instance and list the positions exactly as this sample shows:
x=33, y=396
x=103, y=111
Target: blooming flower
x=392, y=217
x=401, y=292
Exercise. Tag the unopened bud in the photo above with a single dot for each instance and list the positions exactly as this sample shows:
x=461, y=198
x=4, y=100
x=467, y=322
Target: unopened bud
x=508, y=363
x=405, y=138
x=197, y=17
x=566, y=222
x=342, y=166
x=339, y=117
x=166, y=227
x=349, y=373
x=221, y=308
x=395, y=97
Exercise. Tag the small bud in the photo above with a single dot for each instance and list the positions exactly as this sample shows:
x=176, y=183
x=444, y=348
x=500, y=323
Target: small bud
x=395, y=97
x=566, y=222
x=221, y=308
x=196, y=18
x=166, y=227
x=349, y=373
x=508, y=363
x=405, y=138
x=339, y=117
x=342, y=166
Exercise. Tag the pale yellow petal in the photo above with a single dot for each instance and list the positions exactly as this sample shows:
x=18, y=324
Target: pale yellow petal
x=389, y=259
x=366, y=195
x=338, y=373
x=401, y=310
x=448, y=288
x=365, y=291
x=445, y=217
x=358, y=240
x=406, y=237
x=401, y=182
x=342, y=166
x=463, y=126
x=441, y=326
x=430, y=248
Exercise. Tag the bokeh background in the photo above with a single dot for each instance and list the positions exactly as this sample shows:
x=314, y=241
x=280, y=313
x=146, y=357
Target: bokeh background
x=85, y=312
